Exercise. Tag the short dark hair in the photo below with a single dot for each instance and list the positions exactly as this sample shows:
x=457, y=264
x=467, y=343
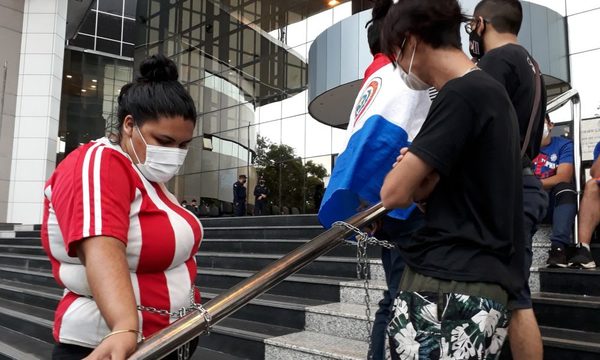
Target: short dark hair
x=378, y=13
x=505, y=15
x=242, y=176
x=155, y=93
x=435, y=22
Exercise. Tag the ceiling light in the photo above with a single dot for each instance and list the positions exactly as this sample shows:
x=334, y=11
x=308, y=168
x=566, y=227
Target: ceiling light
x=69, y=76
x=93, y=86
x=94, y=80
x=333, y=3
x=83, y=90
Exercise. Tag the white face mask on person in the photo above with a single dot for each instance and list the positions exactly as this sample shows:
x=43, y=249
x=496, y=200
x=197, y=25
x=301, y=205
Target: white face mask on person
x=411, y=80
x=162, y=163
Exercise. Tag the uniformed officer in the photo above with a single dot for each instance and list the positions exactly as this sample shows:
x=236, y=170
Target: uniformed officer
x=239, y=196
x=261, y=191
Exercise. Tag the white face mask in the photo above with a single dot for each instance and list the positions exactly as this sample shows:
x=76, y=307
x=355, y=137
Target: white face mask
x=162, y=163
x=411, y=80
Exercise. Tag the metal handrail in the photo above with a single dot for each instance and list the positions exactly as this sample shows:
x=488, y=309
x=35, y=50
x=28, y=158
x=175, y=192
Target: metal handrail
x=572, y=96
x=193, y=324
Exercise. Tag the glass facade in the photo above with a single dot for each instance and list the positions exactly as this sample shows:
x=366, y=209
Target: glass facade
x=244, y=63
x=90, y=88
x=108, y=27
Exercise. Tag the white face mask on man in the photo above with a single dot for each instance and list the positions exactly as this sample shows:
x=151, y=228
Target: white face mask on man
x=411, y=80
x=162, y=163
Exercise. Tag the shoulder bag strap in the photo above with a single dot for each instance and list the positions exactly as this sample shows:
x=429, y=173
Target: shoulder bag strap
x=536, y=104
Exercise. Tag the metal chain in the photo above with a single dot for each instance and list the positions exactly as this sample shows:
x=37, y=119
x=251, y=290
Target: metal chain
x=363, y=240
x=183, y=352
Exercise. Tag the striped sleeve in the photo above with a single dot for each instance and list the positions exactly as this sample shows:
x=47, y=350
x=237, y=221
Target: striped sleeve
x=98, y=200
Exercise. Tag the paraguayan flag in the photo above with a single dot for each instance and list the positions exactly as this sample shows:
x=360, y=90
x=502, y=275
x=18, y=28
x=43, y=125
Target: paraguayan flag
x=385, y=118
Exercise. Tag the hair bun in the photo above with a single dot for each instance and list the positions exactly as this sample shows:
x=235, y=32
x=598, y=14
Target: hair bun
x=158, y=68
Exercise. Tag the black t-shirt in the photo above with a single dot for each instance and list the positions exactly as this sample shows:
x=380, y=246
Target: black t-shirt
x=512, y=66
x=474, y=215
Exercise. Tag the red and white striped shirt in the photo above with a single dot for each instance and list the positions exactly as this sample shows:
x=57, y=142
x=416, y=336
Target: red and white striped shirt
x=97, y=191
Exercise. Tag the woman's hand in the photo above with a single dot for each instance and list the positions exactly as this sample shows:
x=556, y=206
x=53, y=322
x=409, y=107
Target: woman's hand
x=403, y=152
x=115, y=347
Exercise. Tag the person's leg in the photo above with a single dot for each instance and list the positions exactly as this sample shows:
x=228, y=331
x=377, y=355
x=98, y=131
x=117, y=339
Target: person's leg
x=563, y=208
x=523, y=332
x=589, y=211
x=589, y=218
x=394, y=231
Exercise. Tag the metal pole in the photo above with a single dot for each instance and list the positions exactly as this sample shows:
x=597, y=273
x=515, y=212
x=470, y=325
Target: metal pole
x=578, y=156
x=185, y=329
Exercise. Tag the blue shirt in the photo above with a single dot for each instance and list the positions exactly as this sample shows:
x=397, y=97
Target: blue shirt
x=597, y=151
x=559, y=151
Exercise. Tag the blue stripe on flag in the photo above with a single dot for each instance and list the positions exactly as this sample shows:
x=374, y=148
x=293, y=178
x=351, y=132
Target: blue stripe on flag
x=360, y=170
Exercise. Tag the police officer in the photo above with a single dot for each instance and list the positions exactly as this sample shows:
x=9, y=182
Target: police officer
x=261, y=191
x=239, y=196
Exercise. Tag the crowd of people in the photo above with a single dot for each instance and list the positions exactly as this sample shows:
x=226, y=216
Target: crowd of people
x=476, y=172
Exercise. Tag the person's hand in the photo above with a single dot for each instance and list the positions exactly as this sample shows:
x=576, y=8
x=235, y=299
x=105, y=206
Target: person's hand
x=115, y=347
x=403, y=152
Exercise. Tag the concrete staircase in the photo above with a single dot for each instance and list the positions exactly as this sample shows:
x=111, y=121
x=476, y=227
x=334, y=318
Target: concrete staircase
x=318, y=313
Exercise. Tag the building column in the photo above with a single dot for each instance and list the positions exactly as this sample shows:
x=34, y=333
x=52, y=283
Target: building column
x=38, y=107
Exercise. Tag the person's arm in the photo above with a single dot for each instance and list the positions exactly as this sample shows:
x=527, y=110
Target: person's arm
x=564, y=173
x=412, y=179
x=108, y=276
x=595, y=170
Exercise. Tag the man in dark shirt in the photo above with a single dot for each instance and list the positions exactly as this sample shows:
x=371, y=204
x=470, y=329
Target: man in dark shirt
x=493, y=41
x=239, y=196
x=465, y=163
x=261, y=192
x=193, y=208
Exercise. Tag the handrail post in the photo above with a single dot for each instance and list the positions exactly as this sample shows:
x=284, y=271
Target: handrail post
x=185, y=329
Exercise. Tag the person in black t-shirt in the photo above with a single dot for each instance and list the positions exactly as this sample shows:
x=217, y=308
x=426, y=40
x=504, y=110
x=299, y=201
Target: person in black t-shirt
x=493, y=41
x=465, y=163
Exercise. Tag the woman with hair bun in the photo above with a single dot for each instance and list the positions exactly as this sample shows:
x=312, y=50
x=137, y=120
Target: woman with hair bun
x=465, y=164
x=119, y=242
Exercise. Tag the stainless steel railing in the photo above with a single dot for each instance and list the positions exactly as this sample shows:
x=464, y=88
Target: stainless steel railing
x=194, y=324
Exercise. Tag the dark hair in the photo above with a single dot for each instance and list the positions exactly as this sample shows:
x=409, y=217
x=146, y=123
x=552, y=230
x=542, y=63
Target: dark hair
x=155, y=93
x=505, y=15
x=435, y=22
x=380, y=10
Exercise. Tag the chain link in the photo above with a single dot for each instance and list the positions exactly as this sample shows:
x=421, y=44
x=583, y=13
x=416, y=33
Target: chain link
x=183, y=352
x=363, y=240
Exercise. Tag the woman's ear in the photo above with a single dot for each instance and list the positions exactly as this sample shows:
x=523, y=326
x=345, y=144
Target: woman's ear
x=128, y=124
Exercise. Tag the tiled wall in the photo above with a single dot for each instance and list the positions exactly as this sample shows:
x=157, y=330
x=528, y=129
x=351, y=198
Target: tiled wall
x=38, y=107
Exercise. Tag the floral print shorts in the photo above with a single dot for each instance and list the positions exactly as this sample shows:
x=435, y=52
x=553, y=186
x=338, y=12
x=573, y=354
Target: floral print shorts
x=447, y=326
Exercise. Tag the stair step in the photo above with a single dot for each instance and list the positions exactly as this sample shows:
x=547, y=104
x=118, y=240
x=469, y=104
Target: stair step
x=308, y=345
x=344, y=320
x=22, y=249
x=37, y=295
x=261, y=232
x=323, y=266
x=570, y=281
x=27, y=262
x=248, y=337
x=570, y=344
x=207, y=354
x=35, y=277
x=33, y=241
x=17, y=346
x=275, y=246
x=270, y=309
x=311, y=287
x=583, y=311
x=271, y=220
x=353, y=292
x=27, y=319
